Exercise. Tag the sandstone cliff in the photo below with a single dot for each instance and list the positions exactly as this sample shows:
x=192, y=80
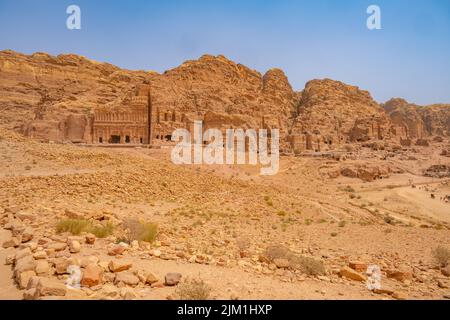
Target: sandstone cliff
x=421, y=121
x=339, y=113
x=53, y=98
x=216, y=84
x=50, y=97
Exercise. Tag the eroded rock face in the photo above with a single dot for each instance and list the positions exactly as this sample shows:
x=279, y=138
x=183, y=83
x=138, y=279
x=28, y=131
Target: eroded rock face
x=50, y=97
x=436, y=119
x=405, y=116
x=419, y=121
x=56, y=98
x=332, y=113
x=220, y=92
x=53, y=98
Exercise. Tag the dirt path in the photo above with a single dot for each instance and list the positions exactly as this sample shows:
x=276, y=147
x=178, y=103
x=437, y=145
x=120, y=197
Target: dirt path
x=433, y=208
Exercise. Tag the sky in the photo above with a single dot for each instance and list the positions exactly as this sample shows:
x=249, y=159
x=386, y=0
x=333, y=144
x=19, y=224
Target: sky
x=409, y=57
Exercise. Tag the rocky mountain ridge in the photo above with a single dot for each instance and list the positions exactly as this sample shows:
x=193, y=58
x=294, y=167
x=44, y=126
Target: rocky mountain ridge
x=55, y=96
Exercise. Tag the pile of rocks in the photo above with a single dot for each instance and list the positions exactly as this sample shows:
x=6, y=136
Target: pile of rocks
x=51, y=270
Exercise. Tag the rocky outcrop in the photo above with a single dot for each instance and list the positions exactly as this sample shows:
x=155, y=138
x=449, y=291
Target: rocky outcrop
x=51, y=97
x=332, y=113
x=218, y=85
x=436, y=119
x=366, y=172
x=419, y=121
x=406, y=116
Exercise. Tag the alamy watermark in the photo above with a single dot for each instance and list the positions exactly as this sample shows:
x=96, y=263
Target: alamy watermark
x=374, y=277
x=73, y=22
x=374, y=20
x=238, y=147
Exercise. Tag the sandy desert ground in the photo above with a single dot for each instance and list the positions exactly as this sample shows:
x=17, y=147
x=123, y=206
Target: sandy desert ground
x=229, y=232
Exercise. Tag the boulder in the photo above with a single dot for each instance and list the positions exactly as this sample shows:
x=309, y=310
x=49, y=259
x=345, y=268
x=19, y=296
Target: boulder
x=172, y=279
x=11, y=243
x=24, y=278
x=351, y=274
x=39, y=255
x=128, y=294
x=119, y=265
x=126, y=278
x=42, y=267
x=90, y=238
x=383, y=291
x=30, y=294
x=358, y=266
x=23, y=253
x=17, y=228
x=92, y=276
x=61, y=265
x=85, y=261
x=74, y=246
x=50, y=287
x=109, y=291
x=26, y=263
x=27, y=235
x=117, y=250
x=399, y=275
x=33, y=282
x=57, y=246
x=400, y=295
x=151, y=278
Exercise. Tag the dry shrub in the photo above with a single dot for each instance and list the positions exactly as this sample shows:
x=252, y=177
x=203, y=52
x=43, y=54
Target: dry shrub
x=77, y=226
x=442, y=256
x=307, y=265
x=193, y=289
x=141, y=231
x=73, y=226
x=277, y=252
x=103, y=230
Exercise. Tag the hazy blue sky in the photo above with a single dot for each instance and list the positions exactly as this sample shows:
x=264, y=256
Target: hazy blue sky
x=409, y=57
